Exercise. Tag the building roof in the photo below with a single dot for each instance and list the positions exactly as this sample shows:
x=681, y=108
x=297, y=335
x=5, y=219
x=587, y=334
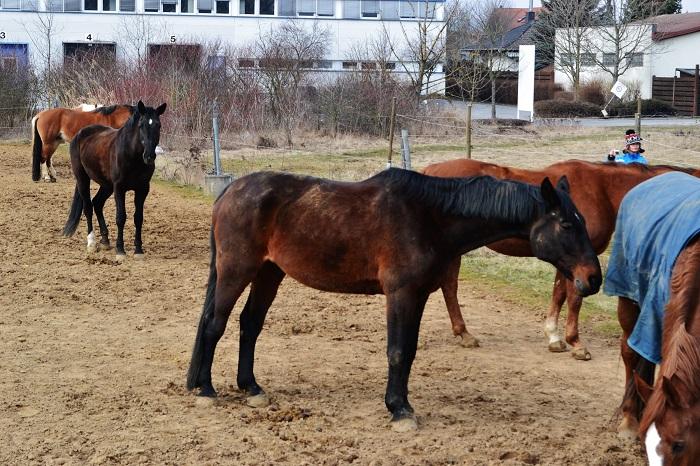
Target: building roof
x=668, y=26
x=514, y=17
x=511, y=40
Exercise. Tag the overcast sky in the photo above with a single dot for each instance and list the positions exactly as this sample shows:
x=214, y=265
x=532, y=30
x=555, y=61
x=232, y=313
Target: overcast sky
x=688, y=5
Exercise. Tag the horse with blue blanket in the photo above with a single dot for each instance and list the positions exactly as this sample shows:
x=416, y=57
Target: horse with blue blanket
x=654, y=269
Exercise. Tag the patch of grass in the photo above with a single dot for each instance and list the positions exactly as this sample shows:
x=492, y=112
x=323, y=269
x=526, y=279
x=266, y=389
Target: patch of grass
x=183, y=190
x=527, y=281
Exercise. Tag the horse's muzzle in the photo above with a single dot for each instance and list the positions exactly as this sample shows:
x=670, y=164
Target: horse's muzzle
x=591, y=287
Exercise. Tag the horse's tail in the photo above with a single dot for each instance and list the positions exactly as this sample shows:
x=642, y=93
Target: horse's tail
x=36, y=151
x=76, y=209
x=207, y=313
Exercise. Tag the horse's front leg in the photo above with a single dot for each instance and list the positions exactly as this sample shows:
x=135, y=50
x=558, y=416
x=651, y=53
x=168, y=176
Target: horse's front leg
x=555, y=343
x=139, y=200
x=120, y=199
x=449, y=292
x=574, y=302
x=404, y=312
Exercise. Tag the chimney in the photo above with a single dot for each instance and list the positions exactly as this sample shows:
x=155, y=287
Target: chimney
x=530, y=13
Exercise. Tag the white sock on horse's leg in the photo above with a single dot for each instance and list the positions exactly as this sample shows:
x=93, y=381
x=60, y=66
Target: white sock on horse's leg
x=52, y=172
x=91, y=242
x=44, y=171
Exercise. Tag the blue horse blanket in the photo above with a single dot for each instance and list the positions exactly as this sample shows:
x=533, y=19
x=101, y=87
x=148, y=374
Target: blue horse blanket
x=655, y=222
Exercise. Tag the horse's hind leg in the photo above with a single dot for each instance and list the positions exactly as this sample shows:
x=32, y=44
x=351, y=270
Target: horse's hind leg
x=83, y=184
x=262, y=292
x=98, y=203
x=555, y=343
x=47, y=170
x=627, y=314
x=230, y=283
x=449, y=292
x=50, y=170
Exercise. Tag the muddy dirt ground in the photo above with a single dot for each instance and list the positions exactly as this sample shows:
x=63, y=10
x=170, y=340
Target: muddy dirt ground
x=94, y=354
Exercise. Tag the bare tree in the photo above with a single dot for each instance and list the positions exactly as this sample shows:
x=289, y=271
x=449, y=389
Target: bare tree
x=286, y=57
x=421, y=49
x=572, y=20
x=42, y=30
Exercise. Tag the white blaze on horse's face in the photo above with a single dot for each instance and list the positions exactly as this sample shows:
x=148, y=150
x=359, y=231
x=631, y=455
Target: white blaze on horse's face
x=150, y=121
x=652, y=442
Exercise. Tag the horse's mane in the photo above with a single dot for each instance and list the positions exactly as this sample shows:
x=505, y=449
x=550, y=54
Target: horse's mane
x=480, y=196
x=640, y=167
x=681, y=350
x=112, y=108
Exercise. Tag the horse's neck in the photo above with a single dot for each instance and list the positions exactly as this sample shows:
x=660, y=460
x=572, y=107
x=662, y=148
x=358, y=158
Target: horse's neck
x=129, y=136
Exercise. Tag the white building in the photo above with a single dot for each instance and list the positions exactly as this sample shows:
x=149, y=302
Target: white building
x=91, y=24
x=667, y=43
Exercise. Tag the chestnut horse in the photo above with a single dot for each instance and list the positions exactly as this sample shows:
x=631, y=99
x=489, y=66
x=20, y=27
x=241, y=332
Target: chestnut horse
x=392, y=234
x=53, y=126
x=597, y=190
x=656, y=279
x=119, y=160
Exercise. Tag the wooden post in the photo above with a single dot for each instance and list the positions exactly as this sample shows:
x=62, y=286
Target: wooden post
x=638, y=116
x=696, y=92
x=469, y=131
x=406, y=149
x=392, y=122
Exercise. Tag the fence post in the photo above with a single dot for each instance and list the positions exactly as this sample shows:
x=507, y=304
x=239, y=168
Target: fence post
x=696, y=92
x=406, y=149
x=217, y=149
x=469, y=130
x=638, y=116
x=392, y=122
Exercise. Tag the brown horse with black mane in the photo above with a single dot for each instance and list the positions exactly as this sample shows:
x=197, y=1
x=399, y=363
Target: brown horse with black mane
x=597, y=190
x=53, y=126
x=393, y=234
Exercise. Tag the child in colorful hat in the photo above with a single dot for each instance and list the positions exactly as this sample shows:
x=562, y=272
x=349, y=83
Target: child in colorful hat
x=633, y=150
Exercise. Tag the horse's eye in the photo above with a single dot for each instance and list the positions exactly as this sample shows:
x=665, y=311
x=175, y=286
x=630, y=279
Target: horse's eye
x=677, y=448
x=566, y=225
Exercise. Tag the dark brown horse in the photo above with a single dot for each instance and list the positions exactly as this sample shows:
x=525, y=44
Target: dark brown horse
x=56, y=125
x=597, y=190
x=393, y=234
x=655, y=270
x=119, y=160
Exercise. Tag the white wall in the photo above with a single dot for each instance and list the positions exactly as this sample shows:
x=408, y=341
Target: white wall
x=192, y=28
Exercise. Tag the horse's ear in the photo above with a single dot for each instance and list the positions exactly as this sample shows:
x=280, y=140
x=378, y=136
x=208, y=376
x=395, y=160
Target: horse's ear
x=643, y=389
x=549, y=195
x=141, y=107
x=160, y=110
x=563, y=184
x=673, y=398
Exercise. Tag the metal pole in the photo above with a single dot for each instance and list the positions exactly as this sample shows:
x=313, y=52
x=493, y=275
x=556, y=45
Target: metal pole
x=406, y=150
x=392, y=122
x=217, y=149
x=638, y=116
x=469, y=131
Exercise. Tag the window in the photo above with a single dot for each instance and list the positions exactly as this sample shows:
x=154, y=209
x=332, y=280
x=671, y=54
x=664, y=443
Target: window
x=349, y=65
x=609, y=59
x=287, y=7
x=587, y=59
x=73, y=5
x=408, y=9
x=222, y=7
x=151, y=6
x=247, y=7
x=326, y=7
x=636, y=59
x=185, y=6
x=390, y=66
x=306, y=7
x=109, y=5
x=11, y=4
x=90, y=5
x=79, y=51
x=267, y=7
x=324, y=64
x=54, y=5
x=216, y=62
x=246, y=63
x=390, y=9
x=169, y=6
x=9, y=63
x=368, y=65
x=351, y=9
x=566, y=59
x=127, y=5
x=370, y=8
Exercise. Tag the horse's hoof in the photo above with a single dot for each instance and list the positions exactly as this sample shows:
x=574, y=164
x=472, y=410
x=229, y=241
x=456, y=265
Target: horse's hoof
x=139, y=257
x=104, y=246
x=468, y=341
x=258, y=401
x=205, y=401
x=405, y=424
x=52, y=180
x=581, y=354
x=91, y=248
x=121, y=257
x=557, y=346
